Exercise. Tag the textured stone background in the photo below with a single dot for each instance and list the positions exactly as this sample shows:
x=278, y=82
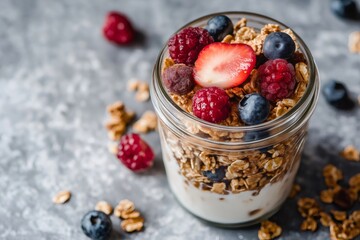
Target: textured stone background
x=57, y=74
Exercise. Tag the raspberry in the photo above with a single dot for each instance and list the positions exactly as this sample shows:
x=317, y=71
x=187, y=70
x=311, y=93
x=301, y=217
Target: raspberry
x=277, y=79
x=184, y=47
x=179, y=79
x=135, y=153
x=118, y=29
x=211, y=104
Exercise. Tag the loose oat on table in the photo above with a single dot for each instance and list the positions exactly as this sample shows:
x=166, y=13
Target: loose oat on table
x=325, y=219
x=119, y=119
x=295, y=189
x=132, y=224
x=327, y=196
x=351, y=153
x=309, y=224
x=269, y=230
x=338, y=215
x=354, y=42
x=147, y=123
x=62, y=197
x=104, y=207
x=308, y=207
x=332, y=175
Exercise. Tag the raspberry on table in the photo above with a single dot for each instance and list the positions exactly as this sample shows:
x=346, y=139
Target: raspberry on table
x=118, y=29
x=135, y=153
x=184, y=47
x=277, y=79
x=179, y=79
x=211, y=104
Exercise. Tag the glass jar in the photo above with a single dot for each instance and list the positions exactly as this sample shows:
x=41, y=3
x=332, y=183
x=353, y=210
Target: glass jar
x=232, y=176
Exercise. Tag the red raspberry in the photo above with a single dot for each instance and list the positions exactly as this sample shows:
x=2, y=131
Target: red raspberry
x=118, y=29
x=277, y=79
x=211, y=104
x=184, y=47
x=135, y=153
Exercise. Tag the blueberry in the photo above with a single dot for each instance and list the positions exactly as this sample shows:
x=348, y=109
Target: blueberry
x=96, y=225
x=216, y=176
x=254, y=109
x=279, y=45
x=257, y=135
x=344, y=8
x=219, y=26
x=336, y=94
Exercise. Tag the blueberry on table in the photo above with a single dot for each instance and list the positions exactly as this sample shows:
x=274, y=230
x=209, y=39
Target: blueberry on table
x=216, y=176
x=219, y=26
x=96, y=225
x=345, y=8
x=278, y=45
x=336, y=94
x=253, y=109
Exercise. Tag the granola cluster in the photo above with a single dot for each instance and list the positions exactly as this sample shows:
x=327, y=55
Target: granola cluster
x=119, y=119
x=132, y=219
x=269, y=230
x=246, y=170
x=342, y=224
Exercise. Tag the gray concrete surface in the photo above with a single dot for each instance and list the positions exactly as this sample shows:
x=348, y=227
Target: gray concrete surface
x=57, y=74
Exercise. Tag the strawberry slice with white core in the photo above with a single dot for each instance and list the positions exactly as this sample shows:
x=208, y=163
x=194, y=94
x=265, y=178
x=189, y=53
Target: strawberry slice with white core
x=224, y=65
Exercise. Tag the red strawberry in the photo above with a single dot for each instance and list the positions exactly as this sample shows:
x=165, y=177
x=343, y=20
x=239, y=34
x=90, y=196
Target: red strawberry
x=224, y=65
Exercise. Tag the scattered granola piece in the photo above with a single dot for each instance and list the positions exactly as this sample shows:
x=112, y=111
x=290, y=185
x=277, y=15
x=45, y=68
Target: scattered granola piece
x=124, y=206
x=339, y=215
x=132, y=224
x=62, y=197
x=327, y=196
x=128, y=215
x=120, y=118
x=309, y=224
x=308, y=207
x=332, y=175
x=269, y=230
x=325, y=219
x=354, y=42
x=142, y=94
x=354, y=182
x=146, y=123
x=133, y=85
x=351, y=153
x=294, y=190
x=104, y=207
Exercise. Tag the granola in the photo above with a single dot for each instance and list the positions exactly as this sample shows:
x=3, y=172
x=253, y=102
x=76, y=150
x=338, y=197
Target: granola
x=269, y=230
x=119, y=119
x=132, y=219
x=146, y=123
x=351, y=153
x=62, y=197
x=105, y=207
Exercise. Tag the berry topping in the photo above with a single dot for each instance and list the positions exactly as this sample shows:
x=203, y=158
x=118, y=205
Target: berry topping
x=215, y=176
x=184, y=47
x=278, y=45
x=118, y=29
x=211, y=104
x=219, y=26
x=345, y=8
x=135, y=153
x=277, y=79
x=96, y=225
x=224, y=65
x=337, y=95
x=179, y=79
x=254, y=109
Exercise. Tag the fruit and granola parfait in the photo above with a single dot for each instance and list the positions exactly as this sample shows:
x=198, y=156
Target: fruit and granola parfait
x=233, y=93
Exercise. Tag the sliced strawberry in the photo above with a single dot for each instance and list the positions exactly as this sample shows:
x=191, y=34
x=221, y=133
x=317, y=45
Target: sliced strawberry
x=224, y=65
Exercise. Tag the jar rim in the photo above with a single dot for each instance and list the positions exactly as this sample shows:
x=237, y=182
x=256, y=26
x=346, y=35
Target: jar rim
x=308, y=95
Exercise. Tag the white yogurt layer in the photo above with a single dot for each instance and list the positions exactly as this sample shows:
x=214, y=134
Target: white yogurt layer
x=227, y=209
